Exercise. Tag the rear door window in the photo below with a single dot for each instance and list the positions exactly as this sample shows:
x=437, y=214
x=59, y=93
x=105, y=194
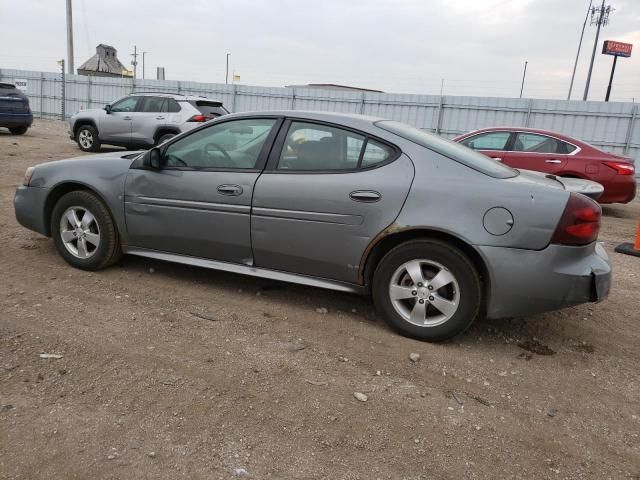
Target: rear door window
x=152, y=104
x=534, y=143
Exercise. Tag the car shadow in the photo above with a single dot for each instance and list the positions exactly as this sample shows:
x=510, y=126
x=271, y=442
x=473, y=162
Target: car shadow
x=484, y=333
x=617, y=211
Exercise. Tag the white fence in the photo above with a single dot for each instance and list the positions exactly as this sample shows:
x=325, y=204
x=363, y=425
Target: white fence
x=614, y=126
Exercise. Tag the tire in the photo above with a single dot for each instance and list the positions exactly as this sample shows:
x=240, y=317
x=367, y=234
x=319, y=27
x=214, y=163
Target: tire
x=164, y=138
x=19, y=130
x=106, y=252
x=456, y=296
x=87, y=138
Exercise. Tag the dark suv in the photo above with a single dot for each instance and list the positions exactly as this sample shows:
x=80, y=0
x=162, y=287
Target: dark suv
x=15, y=113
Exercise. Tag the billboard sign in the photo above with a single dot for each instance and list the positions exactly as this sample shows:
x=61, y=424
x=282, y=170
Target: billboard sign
x=21, y=84
x=619, y=49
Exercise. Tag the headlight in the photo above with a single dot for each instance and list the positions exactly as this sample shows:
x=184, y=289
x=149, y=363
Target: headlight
x=27, y=176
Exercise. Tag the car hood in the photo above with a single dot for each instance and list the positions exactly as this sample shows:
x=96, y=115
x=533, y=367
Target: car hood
x=89, y=111
x=576, y=185
x=83, y=169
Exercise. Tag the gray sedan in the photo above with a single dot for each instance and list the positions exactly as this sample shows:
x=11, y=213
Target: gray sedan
x=438, y=234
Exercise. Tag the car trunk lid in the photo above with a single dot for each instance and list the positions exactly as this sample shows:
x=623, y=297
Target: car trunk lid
x=575, y=185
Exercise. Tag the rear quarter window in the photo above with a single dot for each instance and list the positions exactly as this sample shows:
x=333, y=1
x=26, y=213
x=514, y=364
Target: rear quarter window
x=209, y=109
x=449, y=149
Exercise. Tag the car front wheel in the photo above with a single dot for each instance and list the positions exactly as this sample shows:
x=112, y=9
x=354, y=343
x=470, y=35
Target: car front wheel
x=84, y=233
x=427, y=289
x=87, y=138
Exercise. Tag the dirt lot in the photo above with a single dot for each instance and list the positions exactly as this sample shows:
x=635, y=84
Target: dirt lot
x=174, y=372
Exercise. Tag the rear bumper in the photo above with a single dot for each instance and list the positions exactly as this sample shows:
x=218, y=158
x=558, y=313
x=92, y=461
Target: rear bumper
x=620, y=189
x=527, y=282
x=29, y=208
x=11, y=120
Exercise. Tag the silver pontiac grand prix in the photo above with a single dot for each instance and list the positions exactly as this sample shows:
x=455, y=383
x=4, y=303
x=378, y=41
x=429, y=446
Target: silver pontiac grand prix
x=438, y=234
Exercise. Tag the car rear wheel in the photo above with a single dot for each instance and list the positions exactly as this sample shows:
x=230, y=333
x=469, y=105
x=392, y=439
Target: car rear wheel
x=427, y=289
x=164, y=138
x=19, y=130
x=87, y=138
x=84, y=232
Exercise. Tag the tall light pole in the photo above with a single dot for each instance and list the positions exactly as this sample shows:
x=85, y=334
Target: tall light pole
x=600, y=18
x=524, y=74
x=69, y=38
x=143, y=54
x=226, y=76
x=575, y=65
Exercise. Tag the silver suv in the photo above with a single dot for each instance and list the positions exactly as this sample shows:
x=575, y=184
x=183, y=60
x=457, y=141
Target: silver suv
x=141, y=120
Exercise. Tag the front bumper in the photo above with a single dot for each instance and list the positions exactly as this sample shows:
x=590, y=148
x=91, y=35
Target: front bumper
x=527, y=282
x=29, y=205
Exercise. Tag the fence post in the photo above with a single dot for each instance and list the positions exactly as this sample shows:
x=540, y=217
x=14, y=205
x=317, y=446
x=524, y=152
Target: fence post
x=362, y=104
x=88, y=92
x=64, y=92
x=41, y=94
x=293, y=98
x=528, y=117
x=439, y=117
x=627, y=140
x=133, y=85
x=179, y=87
x=233, y=99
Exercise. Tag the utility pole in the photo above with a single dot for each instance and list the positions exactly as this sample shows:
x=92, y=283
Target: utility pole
x=599, y=16
x=524, y=74
x=134, y=62
x=69, y=38
x=143, y=54
x=226, y=75
x=575, y=65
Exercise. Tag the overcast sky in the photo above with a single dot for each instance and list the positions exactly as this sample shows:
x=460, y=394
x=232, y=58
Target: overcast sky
x=477, y=46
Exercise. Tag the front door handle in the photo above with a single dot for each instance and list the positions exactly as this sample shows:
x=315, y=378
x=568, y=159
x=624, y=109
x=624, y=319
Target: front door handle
x=497, y=159
x=553, y=161
x=126, y=118
x=365, y=196
x=234, y=190
x=159, y=118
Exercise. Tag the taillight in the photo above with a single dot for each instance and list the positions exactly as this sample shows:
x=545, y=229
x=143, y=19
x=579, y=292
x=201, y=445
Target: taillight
x=580, y=221
x=621, y=168
x=198, y=118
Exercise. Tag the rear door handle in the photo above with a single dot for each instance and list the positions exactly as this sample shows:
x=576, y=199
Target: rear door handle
x=234, y=190
x=497, y=159
x=159, y=118
x=365, y=196
x=553, y=161
x=126, y=118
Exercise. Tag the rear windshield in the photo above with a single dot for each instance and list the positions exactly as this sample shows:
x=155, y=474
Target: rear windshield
x=449, y=149
x=6, y=88
x=209, y=109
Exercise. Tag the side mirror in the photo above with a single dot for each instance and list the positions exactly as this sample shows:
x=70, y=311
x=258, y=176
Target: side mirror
x=107, y=108
x=154, y=159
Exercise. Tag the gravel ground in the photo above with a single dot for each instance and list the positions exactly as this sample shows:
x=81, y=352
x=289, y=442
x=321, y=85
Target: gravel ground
x=170, y=371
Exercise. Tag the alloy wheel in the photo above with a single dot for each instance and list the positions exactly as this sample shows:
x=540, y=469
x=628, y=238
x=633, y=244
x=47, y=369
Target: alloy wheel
x=80, y=232
x=85, y=138
x=424, y=293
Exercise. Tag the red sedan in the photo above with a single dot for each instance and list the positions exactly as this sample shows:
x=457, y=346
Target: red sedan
x=554, y=153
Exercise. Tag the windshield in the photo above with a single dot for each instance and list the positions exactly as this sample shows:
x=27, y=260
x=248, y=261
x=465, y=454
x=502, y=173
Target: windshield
x=449, y=149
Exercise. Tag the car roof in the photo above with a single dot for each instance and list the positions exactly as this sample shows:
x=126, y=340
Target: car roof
x=549, y=133
x=347, y=119
x=175, y=96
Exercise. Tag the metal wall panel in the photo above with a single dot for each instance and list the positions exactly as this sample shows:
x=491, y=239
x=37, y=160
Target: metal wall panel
x=614, y=126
